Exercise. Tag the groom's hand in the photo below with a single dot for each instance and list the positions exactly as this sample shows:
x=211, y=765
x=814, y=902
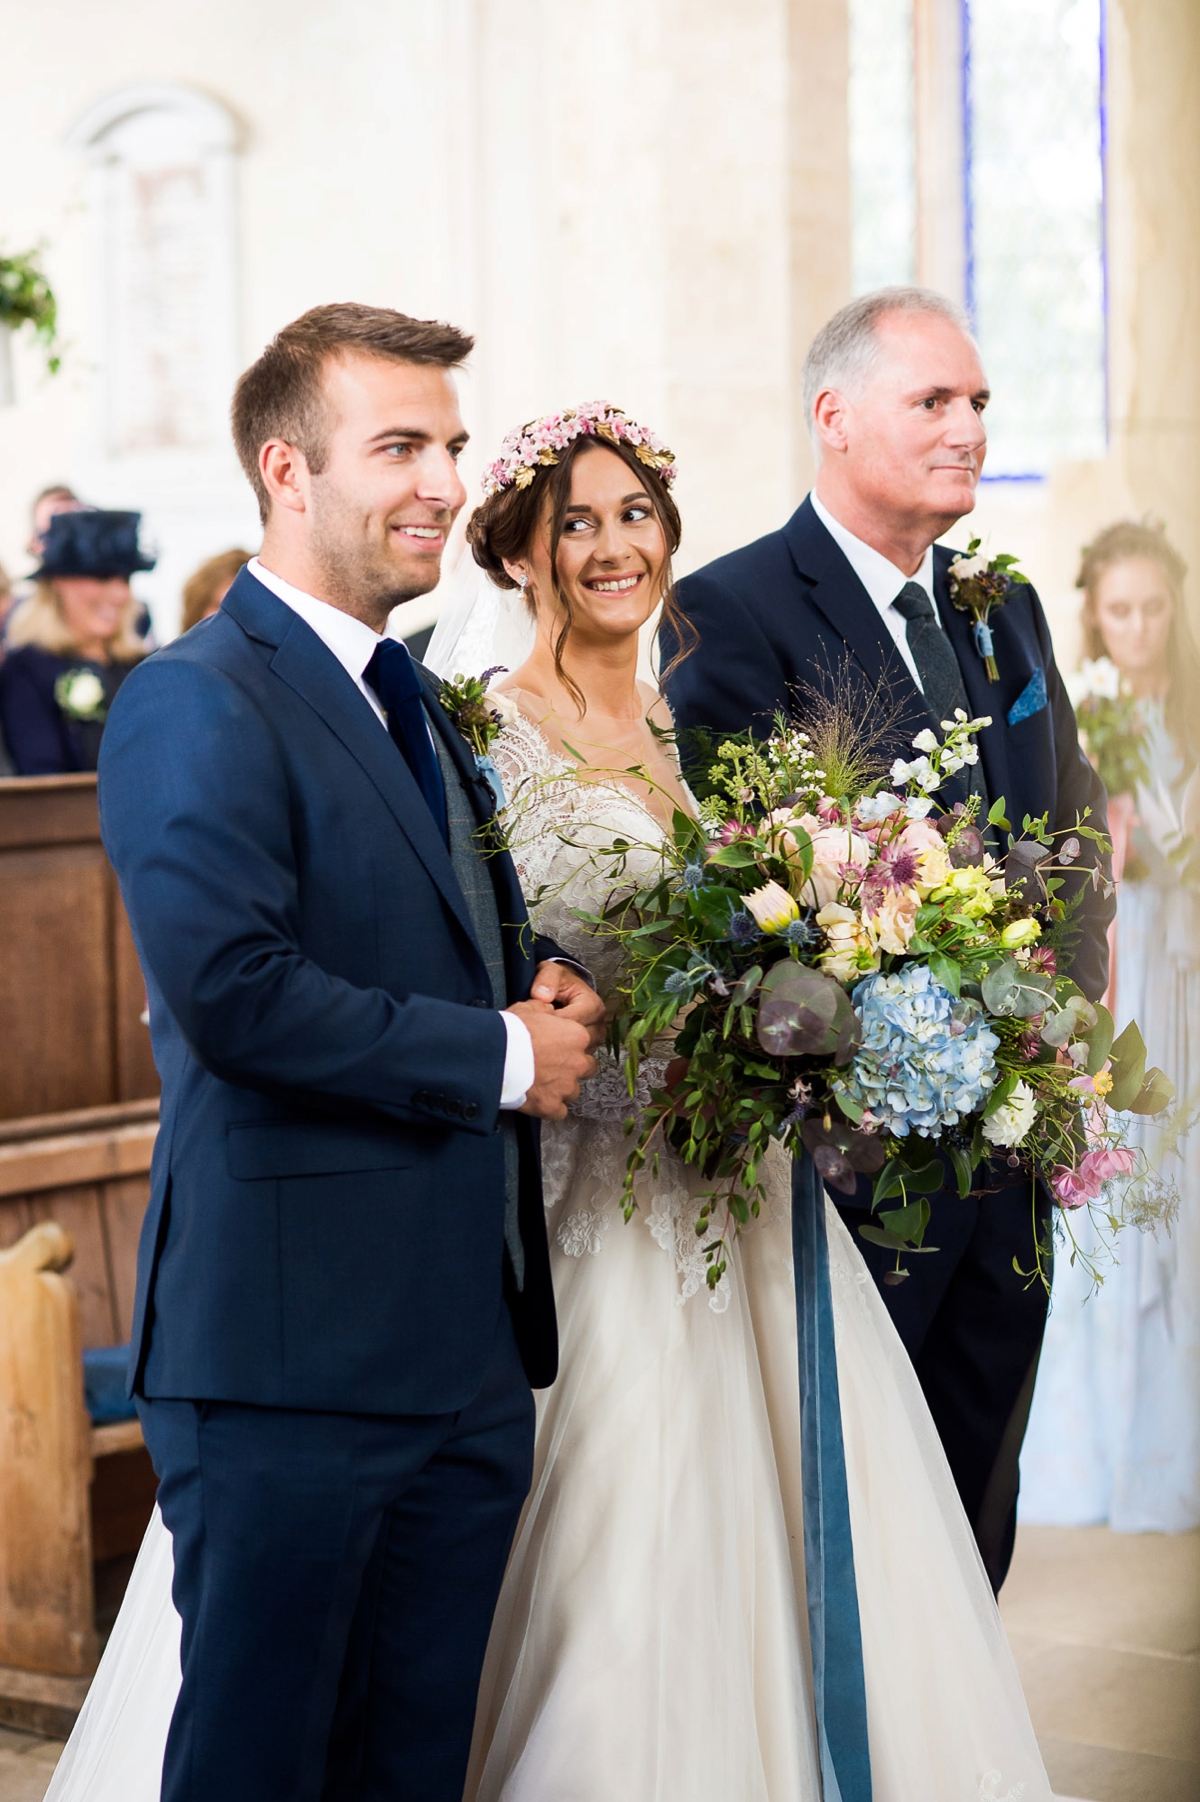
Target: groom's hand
x=561, y=1058
x=571, y=997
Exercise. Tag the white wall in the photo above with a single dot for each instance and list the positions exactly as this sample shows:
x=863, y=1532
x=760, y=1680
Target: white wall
x=611, y=193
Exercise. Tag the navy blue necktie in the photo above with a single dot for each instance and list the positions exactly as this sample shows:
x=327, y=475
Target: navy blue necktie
x=393, y=675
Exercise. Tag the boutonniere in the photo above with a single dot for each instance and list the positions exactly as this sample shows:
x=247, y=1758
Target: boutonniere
x=978, y=585
x=80, y=695
x=481, y=715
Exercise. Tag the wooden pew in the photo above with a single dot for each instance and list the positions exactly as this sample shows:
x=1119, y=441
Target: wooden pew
x=71, y=994
x=72, y=1495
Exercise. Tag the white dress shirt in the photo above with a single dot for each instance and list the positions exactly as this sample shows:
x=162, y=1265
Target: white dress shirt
x=881, y=579
x=353, y=644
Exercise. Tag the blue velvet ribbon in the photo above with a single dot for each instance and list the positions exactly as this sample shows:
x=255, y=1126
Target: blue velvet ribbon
x=985, y=644
x=491, y=776
x=835, y=1633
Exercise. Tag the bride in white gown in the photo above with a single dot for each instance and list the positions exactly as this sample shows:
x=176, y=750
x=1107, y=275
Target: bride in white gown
x=651, y=1638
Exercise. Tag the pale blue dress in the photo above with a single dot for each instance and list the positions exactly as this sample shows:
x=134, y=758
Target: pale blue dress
x=1114, y=1433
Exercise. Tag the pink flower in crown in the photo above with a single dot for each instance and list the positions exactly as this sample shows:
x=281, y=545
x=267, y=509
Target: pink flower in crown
x=542, y=441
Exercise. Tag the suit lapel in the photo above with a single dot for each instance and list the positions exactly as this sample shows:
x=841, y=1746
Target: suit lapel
x=837, y=593
x=983, y=697
x=311, y=670
x=509, y=898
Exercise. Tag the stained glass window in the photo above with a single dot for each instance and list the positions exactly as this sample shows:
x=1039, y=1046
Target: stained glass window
x=882, y=172
x=1035, y=226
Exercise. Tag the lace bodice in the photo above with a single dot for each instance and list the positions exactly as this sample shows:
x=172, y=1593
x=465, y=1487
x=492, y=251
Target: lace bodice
x=561, y=829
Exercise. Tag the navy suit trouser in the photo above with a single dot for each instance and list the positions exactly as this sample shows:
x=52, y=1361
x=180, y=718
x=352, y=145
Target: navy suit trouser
x=336, y=1575
x=973, y=1328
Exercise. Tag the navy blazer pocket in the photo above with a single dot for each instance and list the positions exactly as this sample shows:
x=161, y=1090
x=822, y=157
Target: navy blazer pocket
x=268, y=1148
x=1032, y=698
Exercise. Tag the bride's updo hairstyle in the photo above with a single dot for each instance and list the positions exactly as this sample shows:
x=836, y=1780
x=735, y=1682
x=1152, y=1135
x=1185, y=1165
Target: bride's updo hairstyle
x=523, y=493
x=1147, y=539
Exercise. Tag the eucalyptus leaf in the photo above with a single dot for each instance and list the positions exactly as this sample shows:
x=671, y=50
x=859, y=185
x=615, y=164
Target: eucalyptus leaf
x=745, y=986
x=947, y=971
x=1013, y=992
x=1128, y=1062
x=1156, y=1093
x=1100, y=1041
x=908, y=1222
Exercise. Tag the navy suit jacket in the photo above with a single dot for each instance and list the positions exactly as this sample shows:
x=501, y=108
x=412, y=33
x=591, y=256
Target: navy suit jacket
x=787, y=612
x=326, y=1221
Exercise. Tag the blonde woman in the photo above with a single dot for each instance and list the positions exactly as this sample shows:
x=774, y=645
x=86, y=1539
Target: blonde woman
x=71, y=643
x=207, y=586
x=1114, y=1434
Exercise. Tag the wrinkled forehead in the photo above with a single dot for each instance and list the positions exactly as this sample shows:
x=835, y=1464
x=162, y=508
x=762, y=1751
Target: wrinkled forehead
x=919, y=351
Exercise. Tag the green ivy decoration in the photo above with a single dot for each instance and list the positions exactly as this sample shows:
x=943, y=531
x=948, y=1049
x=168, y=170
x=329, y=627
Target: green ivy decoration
x=26, y=298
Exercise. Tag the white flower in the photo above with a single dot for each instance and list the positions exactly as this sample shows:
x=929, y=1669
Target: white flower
x=1012, y=1120
x=1097, y=678
x=920, y=771
x=873, y=808
x=918, y=809
x=503, y=705
x=79, y=693
x=925, y=741
x=963, y=568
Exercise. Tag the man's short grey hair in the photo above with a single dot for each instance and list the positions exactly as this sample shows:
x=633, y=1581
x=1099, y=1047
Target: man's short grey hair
x=847, y=346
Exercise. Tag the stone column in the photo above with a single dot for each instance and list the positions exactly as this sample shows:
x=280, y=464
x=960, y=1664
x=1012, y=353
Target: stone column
x=1154, y=262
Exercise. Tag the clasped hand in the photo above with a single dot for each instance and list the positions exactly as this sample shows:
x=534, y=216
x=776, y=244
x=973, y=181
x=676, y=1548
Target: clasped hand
x=565, y=1018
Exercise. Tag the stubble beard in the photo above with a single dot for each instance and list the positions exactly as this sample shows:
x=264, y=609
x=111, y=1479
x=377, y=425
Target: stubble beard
x=357, y=575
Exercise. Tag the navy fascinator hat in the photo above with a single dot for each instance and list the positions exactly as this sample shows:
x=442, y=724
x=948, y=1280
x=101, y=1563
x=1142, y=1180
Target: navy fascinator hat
x=92, y=542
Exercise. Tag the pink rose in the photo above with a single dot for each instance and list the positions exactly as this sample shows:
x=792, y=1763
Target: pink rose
x=892, y=919
x=833, y=848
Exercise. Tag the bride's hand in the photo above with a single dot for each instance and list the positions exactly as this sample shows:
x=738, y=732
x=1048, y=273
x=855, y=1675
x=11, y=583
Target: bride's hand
x=571, y=997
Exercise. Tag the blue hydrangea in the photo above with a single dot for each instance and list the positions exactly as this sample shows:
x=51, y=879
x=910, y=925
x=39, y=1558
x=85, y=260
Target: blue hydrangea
x=926, y=1061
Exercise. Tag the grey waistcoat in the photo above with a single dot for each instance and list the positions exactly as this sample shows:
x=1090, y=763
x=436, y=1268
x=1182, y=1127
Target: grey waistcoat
x=470, y=867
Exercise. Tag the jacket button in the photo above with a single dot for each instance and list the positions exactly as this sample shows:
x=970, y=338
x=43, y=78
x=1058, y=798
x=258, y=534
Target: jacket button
x=471, y=1111
x=478, y=1001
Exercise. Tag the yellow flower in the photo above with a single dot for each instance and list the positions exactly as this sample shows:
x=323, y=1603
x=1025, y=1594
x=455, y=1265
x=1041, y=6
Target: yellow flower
x=772, y=907
x=851, y=952
x=968, y=891
x=1102, y=1082
x=1020, y=932
x=893, y=922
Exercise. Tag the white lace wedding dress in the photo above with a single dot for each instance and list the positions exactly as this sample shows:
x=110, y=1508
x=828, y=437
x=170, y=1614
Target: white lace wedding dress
x=650, y=1642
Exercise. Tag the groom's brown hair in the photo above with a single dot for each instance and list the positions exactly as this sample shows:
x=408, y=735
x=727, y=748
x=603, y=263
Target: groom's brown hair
x=281, y=395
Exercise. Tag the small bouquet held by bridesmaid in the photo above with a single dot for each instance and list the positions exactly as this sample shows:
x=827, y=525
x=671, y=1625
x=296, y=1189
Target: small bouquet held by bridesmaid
x=847, y=968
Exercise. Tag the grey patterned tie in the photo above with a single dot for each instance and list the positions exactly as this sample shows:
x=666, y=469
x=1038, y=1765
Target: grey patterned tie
x=932, y=652
x=941, y=679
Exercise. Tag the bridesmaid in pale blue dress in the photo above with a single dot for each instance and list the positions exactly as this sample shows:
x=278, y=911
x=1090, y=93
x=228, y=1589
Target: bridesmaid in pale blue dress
x=1114, y=1434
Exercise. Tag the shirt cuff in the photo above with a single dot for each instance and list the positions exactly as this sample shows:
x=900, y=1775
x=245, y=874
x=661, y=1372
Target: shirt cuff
x=518, y=1064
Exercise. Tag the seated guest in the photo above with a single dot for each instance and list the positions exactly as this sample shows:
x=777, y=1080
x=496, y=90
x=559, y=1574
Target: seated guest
x=58, y=498
x=207, y=587
x=71, y=643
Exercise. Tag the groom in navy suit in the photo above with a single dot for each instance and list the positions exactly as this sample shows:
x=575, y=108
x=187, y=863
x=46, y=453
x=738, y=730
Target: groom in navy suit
x=343, y=1282
x=853, y=594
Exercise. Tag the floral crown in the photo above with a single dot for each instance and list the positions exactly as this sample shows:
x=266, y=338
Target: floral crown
x=541, y=442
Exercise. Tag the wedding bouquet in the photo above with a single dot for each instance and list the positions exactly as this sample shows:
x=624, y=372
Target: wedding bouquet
x=1110, y=725
x=844, y=967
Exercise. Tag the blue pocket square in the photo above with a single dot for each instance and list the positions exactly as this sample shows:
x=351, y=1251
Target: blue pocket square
x=1032, y=698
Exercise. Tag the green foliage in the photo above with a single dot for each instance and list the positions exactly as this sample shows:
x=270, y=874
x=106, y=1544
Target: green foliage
x=27, y=299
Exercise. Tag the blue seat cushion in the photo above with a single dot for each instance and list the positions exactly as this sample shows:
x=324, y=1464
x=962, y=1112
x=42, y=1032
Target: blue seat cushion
x=104, y=1384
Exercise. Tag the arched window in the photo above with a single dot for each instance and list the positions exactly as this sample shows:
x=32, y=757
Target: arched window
x=977, y=154
x=163, y=199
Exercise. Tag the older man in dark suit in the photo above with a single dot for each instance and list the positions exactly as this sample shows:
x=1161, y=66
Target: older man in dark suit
x=854, y=591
